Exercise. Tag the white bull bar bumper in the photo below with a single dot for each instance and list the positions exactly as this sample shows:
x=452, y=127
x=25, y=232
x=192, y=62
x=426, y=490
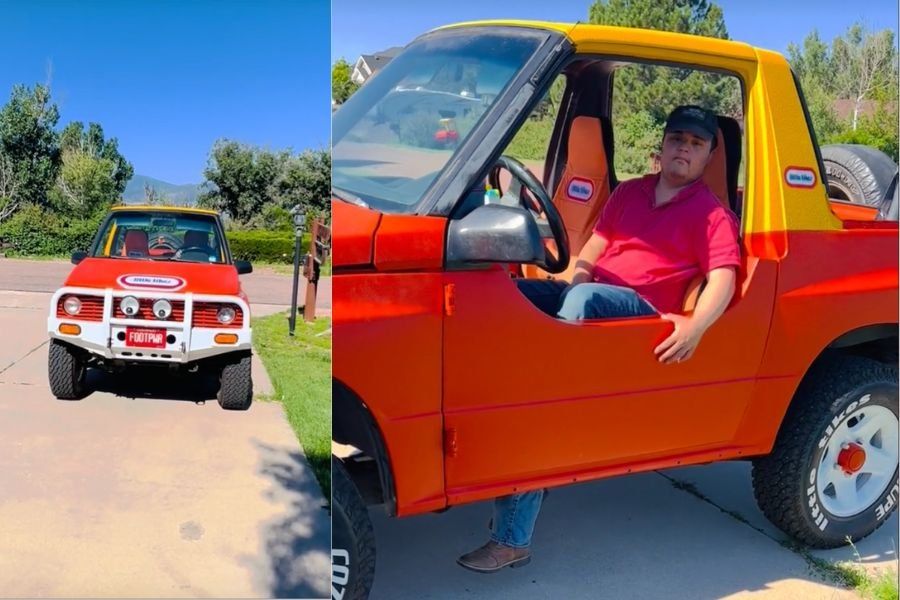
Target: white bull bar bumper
x=184, y=342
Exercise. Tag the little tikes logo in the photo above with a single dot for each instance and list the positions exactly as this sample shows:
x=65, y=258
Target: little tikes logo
x=580, y=189
x=800, y=177
x=151, y=282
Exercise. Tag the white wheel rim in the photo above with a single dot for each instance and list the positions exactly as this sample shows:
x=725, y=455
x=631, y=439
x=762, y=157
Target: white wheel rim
x=875, y=429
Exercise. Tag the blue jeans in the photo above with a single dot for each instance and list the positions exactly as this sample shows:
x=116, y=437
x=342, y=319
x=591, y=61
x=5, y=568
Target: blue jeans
x=515, y=515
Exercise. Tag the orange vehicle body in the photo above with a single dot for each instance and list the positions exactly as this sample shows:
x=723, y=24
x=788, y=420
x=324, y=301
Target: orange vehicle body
x=477, y=394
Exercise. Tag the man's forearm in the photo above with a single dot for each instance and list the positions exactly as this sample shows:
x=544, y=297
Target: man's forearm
x=715, y=297
x=584, y=264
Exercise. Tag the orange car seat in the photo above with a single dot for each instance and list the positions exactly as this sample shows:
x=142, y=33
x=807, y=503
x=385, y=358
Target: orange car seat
x=721, y=177
x=135, y=243
x=583, y=190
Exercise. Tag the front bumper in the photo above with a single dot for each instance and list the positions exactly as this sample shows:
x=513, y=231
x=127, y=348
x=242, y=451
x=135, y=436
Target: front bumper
x=188, y=343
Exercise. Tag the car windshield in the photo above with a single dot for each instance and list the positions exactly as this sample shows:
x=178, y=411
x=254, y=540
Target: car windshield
x=161, y=235
x=393, y=137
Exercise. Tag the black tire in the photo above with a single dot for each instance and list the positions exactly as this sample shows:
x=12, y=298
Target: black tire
x=66, y=370
x=784, y=481
x=856, y=173
x=236, y=383
x=352, y=539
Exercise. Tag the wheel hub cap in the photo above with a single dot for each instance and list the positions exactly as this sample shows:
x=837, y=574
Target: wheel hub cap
x=852, y=458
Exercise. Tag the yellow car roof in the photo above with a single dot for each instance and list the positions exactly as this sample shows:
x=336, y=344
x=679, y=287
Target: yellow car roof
x=582, y=34
x=179, y=209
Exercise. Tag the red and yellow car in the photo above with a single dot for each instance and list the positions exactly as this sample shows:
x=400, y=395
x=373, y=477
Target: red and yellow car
x=454, y=386
x=158, y=286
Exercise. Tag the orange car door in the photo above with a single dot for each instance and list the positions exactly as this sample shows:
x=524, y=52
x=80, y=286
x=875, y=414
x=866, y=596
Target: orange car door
x=530, y=400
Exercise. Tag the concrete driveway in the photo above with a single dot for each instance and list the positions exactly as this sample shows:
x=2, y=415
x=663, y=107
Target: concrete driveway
x=693, y=533
x=146, y=487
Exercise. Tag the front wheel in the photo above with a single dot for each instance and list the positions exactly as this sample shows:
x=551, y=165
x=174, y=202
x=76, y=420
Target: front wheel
x=832, y=474
x=236, y=383
x=352, y=539
x=66, y=370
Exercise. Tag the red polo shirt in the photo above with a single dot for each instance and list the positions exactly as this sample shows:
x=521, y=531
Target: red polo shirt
x=657, y=251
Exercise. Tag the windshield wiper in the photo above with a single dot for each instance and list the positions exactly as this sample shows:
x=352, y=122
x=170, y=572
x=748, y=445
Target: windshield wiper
x=348, y=197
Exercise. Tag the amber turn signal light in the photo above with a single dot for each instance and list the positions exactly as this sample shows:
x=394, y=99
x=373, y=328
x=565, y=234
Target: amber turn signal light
x=69, y=329
x=226, y=338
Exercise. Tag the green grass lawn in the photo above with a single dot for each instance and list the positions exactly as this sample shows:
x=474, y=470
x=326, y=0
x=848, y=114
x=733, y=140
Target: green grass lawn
x=300, y=370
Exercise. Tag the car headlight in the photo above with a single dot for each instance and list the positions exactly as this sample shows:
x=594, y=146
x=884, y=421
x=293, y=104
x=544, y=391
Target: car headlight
x=130, y=306
x=226, y=315
x=72, y=305
x=162, y=309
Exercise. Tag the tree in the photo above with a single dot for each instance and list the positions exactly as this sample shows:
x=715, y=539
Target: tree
x=697, y=17
x=864, y=65
x=643, y=95
x=342, y=87
x=86, y=183
x=28, y=146
x=91, y=142
x=246, y=182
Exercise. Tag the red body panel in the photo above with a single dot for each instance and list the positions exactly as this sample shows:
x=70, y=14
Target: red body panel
x=200, y=278
x=534, y=399
x=353, y=234
x=387, y=335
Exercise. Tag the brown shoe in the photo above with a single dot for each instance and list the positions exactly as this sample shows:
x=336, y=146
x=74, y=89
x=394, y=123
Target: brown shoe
x=493, y=556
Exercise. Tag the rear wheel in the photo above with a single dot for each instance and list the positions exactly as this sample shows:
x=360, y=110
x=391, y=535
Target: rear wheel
x=66, y=370
x=856, y=173
x=353, y=539
x=832, y=474
x=236, y=383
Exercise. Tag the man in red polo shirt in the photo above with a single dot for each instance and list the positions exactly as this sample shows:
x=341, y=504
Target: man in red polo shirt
x=654, y=236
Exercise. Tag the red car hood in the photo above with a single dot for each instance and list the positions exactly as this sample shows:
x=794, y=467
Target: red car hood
x=151, y=275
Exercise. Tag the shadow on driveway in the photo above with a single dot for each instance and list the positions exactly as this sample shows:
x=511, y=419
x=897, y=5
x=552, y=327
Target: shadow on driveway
x=295, y=561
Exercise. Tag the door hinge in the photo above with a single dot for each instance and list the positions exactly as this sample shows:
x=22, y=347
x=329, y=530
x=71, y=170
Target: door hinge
x=450, y=447
x=449, y=299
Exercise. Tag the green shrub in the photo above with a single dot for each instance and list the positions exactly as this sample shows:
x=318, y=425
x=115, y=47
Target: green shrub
x=418, y=129
x=267, y=246
x=532, y=140
x=637, y=137
x=35, y=231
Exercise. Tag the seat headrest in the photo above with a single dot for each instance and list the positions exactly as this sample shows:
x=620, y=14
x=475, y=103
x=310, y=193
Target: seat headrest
x=587, y=154
x=716, y=174
x=193, y=237
x=136, y=241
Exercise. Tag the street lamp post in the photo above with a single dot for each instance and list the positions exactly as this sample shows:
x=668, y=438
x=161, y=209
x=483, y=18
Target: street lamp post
x=299, y=223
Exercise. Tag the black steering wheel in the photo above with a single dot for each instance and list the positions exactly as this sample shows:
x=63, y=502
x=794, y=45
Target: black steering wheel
x=538, y=203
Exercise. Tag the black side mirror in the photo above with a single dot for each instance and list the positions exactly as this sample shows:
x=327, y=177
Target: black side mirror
x=495, y=233
x=243, y=267
x=78, y=256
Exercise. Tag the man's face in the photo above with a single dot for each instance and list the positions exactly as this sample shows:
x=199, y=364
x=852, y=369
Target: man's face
x=684, y=156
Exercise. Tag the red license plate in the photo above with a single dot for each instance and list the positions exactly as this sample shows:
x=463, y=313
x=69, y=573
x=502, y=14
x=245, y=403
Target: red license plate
x=145, y=338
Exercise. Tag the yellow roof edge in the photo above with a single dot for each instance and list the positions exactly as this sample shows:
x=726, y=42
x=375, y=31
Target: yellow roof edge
x=188, y=209
x=653, y=36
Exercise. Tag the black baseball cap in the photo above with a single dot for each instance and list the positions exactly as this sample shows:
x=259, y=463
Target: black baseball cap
x=694, y=119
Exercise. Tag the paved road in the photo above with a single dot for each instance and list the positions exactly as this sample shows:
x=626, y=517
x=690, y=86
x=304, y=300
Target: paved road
x=268, y=291
x=635, y=537
x=146, y=487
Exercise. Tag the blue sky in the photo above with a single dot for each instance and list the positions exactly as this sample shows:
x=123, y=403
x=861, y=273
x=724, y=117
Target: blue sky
x=361, y=27
x=169, y=78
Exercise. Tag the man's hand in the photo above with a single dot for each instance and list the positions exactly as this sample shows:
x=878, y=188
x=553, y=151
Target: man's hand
x=680, y=345
x=713, y=301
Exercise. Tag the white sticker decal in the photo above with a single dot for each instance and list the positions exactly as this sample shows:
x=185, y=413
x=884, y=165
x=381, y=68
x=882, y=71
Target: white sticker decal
x=154, y=282
x=580, y=189
x=801, y=177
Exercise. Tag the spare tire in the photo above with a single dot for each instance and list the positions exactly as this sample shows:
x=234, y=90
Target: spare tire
x=858, y=174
